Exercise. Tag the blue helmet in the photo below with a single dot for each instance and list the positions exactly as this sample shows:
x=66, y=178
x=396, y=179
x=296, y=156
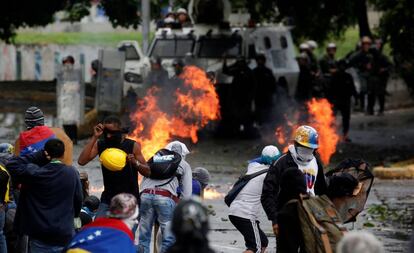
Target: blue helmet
x=307, y=136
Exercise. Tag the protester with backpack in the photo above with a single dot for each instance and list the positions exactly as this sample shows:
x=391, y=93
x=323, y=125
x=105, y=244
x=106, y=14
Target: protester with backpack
x=301, y=155
x=159, y=193
x=244, y=207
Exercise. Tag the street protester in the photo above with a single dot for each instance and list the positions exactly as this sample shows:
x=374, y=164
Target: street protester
x=50, y=199
x=244, y=211
x=159, y=198
x=123, y=159
x=340, y=92
x=6, y=153
x=201, y=179
x=89, y=209
x=190, y=226
x=111, y=234
x=36, y=134
x=265, y=90
x=302, y=156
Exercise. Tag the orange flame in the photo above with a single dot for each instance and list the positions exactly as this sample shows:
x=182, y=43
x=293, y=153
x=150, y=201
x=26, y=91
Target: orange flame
x=321, y=118
x=211, y=193
x=196, y=103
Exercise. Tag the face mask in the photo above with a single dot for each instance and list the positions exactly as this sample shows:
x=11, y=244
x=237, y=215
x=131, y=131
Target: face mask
x=115, y=138
x=304, y=154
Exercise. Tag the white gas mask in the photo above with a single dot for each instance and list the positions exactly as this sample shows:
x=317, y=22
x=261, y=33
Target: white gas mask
x=304, y=154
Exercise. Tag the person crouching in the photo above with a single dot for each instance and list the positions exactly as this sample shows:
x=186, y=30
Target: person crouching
x=112, y=234
x=244, y=208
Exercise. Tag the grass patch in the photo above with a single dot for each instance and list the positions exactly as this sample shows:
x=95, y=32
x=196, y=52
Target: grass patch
x=79, y=38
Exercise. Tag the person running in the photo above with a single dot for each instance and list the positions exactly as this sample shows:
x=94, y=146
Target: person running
x=244, y=209
x=50, y=199
x=300, y=155
x=159, y=198
x=115, y=182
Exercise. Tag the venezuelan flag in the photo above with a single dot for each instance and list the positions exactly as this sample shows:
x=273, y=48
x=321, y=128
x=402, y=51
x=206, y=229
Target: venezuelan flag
x=104, y=235
x=33, y=140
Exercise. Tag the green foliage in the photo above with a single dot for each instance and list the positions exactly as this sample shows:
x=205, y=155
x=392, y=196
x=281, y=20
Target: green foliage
x=15, y=14
x=77, y=9
x=396, y=26
x=71, y=38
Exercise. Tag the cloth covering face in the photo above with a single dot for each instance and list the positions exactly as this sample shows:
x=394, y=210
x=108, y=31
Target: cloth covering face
x=310, y=169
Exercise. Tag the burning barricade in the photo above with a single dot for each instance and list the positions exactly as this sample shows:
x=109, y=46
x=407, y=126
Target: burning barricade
x=321, y=117
x=191, y=107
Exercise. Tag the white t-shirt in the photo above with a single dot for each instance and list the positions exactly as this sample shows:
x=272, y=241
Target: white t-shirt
x=247, y=204
x=310, y=169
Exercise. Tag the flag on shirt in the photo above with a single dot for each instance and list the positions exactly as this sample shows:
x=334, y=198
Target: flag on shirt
x=104, y=235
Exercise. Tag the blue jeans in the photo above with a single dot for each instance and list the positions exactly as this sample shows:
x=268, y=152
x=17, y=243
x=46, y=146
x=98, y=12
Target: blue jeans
x=36, y=246
x=160, y=208
x=3, y=245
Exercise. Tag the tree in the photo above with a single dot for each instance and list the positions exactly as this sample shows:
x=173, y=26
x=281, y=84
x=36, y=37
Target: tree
x=396, y=27
x=29, y=13
x=15, y=14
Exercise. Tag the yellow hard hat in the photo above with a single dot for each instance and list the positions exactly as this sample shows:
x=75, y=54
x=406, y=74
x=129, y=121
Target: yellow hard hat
x=114, y=159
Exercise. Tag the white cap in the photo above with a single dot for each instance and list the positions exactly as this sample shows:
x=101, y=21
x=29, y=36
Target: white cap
x=270, y=151
x=331, y=45
x=181, y=11
x=169, y=20
x=303, y=46
x=312, y=44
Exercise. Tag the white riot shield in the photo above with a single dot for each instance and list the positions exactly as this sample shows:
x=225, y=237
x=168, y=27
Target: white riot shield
x=109, y=89
x=70, y=97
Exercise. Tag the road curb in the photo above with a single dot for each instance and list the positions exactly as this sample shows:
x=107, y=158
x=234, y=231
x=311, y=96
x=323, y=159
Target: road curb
x=394, y=172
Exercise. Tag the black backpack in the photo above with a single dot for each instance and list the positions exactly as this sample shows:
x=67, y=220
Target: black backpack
x=239, y=185
x=164, y=164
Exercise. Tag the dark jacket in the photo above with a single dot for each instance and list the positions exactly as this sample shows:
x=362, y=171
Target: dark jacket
x=341, y=89
x=4, y=184
x=50, y=198
x=271, y=200
x=266, y=86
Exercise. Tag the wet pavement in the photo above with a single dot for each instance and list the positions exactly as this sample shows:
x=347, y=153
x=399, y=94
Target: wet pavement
x=378, y=139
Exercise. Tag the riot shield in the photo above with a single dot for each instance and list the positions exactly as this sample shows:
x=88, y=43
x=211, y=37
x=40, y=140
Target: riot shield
x=70, y=97
x=110, y=83
x=349, y=207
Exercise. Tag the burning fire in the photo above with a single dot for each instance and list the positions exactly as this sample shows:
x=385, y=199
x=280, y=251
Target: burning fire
x=211, y=193
x=195, y=104
x=321, y=118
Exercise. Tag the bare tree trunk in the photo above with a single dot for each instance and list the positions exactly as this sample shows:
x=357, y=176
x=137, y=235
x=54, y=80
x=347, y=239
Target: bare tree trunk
x=362, y=14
